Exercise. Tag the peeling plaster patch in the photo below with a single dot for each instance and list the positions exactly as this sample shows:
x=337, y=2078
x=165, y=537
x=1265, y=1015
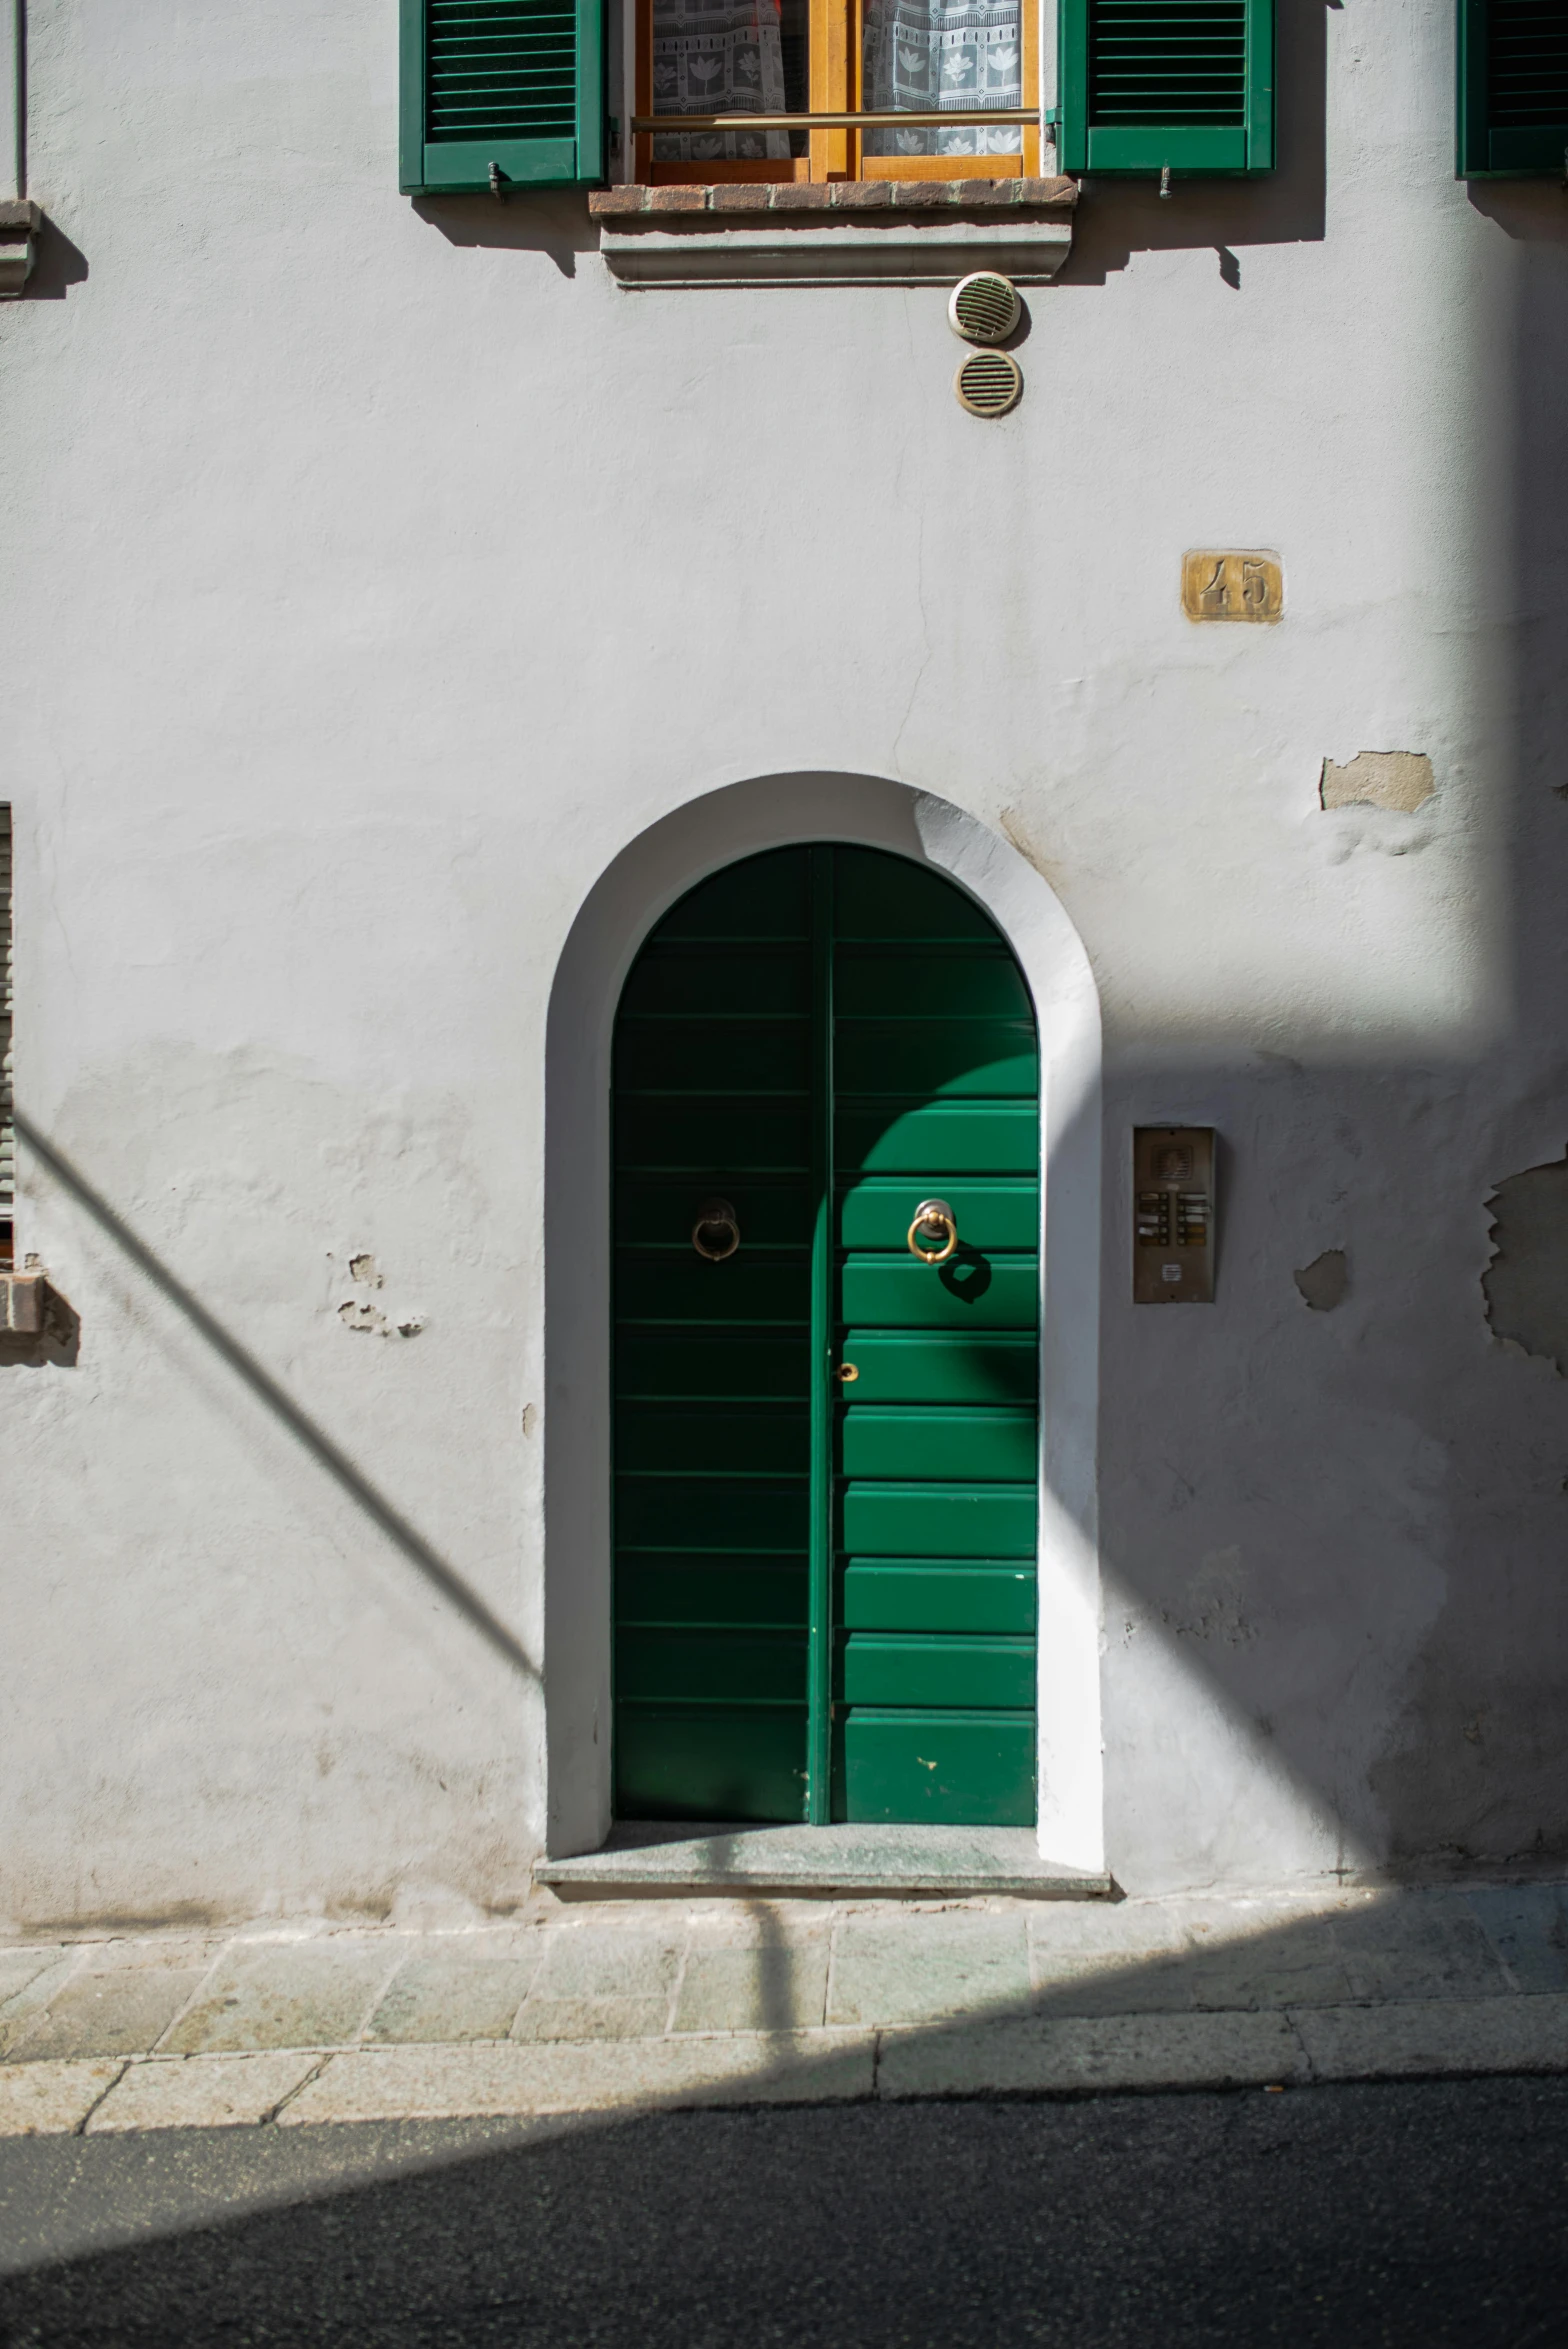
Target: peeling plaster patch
x=1396, y=779
x=1324, y=1281
x=358, y=1313
x=1526, y=1283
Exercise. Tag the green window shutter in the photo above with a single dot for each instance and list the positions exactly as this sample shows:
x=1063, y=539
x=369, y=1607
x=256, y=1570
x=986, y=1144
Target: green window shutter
x=1147, y=84
x=514, y=83
x=1513, y=86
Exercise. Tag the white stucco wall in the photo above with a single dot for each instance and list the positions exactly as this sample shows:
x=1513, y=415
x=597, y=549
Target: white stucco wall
x=377, y=575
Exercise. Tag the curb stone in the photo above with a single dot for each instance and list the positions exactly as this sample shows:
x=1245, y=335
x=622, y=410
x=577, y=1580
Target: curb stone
x=1024, y=2056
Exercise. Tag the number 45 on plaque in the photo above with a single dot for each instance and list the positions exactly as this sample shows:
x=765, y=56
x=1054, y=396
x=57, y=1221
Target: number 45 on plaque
x=1231, y=583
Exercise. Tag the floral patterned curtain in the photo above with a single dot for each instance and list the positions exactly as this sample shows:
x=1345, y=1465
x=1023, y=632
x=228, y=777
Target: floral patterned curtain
x=717, y=57
x=925, y=54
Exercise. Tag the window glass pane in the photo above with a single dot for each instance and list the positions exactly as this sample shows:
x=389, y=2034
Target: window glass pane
x=723, y=57
x=925, y=54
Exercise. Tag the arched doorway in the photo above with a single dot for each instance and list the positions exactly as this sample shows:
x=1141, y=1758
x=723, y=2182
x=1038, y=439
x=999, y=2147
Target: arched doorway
x=825, y=1409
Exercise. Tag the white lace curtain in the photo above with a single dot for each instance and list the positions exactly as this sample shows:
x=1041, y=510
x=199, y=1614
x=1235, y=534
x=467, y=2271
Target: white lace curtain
x=925, y=54
x=718, y=57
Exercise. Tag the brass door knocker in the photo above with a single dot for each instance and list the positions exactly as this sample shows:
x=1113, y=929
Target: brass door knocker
x=715, y=1234
x=933, y=1219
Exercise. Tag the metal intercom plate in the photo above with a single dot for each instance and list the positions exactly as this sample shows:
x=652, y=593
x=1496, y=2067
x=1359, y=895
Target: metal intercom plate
x=1173, y=1215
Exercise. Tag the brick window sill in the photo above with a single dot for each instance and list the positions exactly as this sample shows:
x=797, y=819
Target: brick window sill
x=846, y=232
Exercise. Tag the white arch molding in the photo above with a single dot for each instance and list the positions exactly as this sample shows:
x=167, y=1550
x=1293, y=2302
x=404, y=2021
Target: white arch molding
x=645, y=879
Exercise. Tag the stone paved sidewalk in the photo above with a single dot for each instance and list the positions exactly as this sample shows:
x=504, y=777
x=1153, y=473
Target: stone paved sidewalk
x=589, y=2007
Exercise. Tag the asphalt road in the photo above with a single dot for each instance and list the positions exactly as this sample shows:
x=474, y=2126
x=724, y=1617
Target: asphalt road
x=1425, y=2214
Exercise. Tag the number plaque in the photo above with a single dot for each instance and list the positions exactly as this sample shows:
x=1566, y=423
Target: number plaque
x=1231, y=583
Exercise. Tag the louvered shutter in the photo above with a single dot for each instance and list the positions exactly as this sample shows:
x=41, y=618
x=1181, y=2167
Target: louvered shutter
x=1151, y=83
x=1513, y=87
x=518, y=84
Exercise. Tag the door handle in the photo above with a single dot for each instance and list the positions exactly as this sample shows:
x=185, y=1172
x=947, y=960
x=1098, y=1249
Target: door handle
x=933, y=1217
x=847, y=1372
x=715, y=1234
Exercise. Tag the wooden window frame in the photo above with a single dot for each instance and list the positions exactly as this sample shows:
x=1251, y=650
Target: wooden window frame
x=836, y=33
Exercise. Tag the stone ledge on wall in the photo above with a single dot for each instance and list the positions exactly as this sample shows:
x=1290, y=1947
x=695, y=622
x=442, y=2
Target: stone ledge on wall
x=844, y=232
x=20, y=222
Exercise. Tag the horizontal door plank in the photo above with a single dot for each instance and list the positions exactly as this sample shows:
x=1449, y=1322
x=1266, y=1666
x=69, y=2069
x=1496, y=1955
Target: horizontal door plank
x=669, y=1364
x=936, y=1140
x=939, y=1521
x=876, y=1211
x=938, y=1058
x=687, y=1666
x=714, y=1438
x=710, y=1763
x=972, y=1446
x=713, y=1056
x=949, y=1594
x=771, y=1214
x=927, y=986
x=970, y=1292
x=767, y=896
x=721, y=1138
x=676, y=1284
x=880, y=1668
x=735, y=981
x=878, y=896
x=747, y=1593
x=931, y=1366
x=949, y=1769
x=711, y=1513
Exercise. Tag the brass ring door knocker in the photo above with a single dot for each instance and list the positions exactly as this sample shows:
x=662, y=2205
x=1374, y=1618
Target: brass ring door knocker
x=933, y=1218
x=715, y=1234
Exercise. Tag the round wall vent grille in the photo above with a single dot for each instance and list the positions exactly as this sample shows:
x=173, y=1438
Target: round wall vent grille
x=984, y=307
x=988, y=383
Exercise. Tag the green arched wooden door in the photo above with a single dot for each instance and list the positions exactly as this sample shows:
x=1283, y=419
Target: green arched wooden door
x=825, y=1446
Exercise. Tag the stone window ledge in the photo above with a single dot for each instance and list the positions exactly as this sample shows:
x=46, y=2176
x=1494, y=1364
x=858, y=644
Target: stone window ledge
x=20, y=222
x=845, y=232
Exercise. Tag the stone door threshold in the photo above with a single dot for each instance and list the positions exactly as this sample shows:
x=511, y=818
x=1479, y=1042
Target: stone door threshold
x=817, y=1862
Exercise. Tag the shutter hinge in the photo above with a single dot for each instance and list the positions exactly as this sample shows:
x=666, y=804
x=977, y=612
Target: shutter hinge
x=496, y=188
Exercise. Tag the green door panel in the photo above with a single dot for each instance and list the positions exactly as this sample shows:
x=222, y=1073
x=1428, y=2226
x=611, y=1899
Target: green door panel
x=663, y=1363
x=710, y=1762
x=714, y=1439
x=880, y=897
x=948, y=1769
x=772, y=1214
x=927, y=1366
x=988, y=1446
x=711, y=1512
x=766, y=896
x=715, y=1589
x=939, y=1521
x=927, y=986
x=676, y=1284
x=717, y=1139
x=958, y=1137
x=876, y=1212
x=969, y=1292
x=947, y=1594
x=932, y=1058
x=732, y=982
x=825, y=1037
x=880, y=1668
x=730, y=1665
x=713, y=1056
